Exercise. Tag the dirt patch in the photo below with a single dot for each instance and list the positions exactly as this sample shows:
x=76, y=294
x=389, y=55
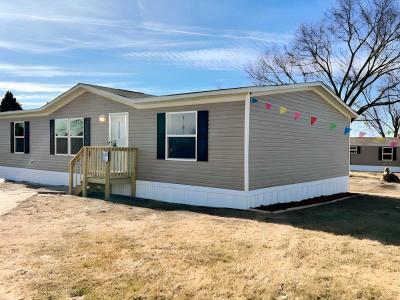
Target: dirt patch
x=11, y=195
x=57, y=247
x=372, y=184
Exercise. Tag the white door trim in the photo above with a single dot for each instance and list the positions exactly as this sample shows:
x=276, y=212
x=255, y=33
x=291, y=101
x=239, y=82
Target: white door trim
x=124, y=114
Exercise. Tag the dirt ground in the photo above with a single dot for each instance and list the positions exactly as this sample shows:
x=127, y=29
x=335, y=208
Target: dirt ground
x=66, y=247
x=371, y=183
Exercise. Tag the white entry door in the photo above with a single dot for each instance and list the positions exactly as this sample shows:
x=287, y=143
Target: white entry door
x=118, y=130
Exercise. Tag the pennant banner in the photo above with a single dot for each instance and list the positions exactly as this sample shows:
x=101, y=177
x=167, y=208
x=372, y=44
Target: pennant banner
x=313, y=120
x=393, y=144
x=347, y=130
x=297, y=115
x=253, y=100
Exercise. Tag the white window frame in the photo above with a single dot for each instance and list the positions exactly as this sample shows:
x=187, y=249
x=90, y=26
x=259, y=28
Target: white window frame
x=68, y=137
x=19, y=137
x=353, y=149
x=180, y=135
x=383, y=153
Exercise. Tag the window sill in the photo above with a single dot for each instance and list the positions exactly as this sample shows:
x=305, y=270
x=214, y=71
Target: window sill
x=181, y=159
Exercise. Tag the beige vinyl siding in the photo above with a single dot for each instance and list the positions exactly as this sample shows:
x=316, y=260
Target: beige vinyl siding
x=283, y=151
x=368, y=156
x=226, y=143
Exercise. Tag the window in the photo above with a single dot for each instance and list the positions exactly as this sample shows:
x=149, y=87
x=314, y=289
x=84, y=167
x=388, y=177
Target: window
x=353, y=149
x=19, y=137
x=181, y=135
x=69, y=135
x=387, y=153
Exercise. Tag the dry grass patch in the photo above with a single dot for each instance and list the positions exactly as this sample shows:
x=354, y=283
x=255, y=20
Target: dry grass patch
x=57, y=247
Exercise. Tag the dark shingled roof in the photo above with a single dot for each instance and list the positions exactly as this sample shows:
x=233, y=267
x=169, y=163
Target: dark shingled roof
x=119, y=92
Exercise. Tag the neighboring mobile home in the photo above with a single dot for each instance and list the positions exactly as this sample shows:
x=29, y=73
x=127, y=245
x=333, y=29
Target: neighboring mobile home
x=235, y=148
x=373, y=154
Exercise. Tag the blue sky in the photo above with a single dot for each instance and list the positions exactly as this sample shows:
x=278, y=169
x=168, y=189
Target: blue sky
x=153, y=46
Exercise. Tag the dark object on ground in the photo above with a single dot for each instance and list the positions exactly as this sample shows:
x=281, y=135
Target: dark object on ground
x=390, y=177
x=316, y=200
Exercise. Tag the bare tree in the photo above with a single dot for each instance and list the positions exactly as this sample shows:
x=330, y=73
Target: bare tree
x=384, y=120
x=353, y=49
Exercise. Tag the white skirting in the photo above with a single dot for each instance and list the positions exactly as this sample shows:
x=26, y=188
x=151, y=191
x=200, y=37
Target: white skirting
x=214, y=197
x=365, y=168
x=35, y=176
x=196, y=195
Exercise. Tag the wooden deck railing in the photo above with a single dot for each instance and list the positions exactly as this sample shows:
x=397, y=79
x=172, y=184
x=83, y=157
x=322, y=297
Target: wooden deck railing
x=102, y=165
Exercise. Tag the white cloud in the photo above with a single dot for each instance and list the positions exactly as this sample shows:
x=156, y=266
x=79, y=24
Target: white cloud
x=32, y=104
x=224, y=34
x=50, y=71
x=213, y=59
x=32, y=87
x=24, y=97
x=64, y=19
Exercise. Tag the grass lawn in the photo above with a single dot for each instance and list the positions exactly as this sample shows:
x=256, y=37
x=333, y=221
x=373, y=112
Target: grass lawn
x=55, y=247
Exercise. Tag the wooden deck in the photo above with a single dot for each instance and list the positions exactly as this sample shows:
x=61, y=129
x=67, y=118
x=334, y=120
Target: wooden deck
x=102, y=165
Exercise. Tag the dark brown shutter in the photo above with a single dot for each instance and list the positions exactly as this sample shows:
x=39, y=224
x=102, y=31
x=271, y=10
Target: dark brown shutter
x=394, y=153
x=86, y=139
x=27, y=143
x=12, y=137
x=161, y=136
x=202, y=135
x=52, y=137
x=380, y=153
x=358, y=149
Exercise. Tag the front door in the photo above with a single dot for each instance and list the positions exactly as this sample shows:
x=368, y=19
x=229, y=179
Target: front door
x=118, y=131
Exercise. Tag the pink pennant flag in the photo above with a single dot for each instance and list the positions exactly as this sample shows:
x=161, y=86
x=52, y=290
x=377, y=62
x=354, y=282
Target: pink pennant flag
x=297, y=115
x=268, y=106
x=313, y=120
x=393, y=144
x=361, y=134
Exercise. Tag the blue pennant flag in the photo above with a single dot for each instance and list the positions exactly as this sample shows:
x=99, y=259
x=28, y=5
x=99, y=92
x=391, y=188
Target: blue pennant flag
x=347, y=130
x=253, y=100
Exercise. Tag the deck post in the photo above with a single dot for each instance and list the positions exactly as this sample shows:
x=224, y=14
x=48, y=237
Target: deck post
x=84, y=175
x=133, y=173
x=71, y=178
x=107, y=185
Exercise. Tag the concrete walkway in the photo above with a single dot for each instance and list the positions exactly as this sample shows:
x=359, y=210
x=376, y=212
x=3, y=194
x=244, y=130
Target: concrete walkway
x=11, y=199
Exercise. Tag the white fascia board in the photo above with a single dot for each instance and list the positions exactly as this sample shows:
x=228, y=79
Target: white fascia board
x=196, y=98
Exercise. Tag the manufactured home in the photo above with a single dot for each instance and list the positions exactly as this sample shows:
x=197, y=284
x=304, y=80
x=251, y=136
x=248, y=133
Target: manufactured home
x=237, y=148
x=373, y=154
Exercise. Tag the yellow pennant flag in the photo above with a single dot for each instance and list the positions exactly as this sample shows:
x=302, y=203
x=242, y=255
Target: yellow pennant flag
x=282, y=110
x=380, y=139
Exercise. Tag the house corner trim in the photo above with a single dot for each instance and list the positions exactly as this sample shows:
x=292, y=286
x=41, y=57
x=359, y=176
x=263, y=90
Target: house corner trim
x=246, y=140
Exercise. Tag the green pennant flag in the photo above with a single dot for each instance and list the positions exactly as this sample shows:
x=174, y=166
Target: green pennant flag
x=332, y=126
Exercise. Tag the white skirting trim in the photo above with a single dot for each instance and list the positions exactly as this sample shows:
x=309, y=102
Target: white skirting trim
x=35, y=176
x=214, y=197
x=365, y=168
x=197, y=195
x=298, y=191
